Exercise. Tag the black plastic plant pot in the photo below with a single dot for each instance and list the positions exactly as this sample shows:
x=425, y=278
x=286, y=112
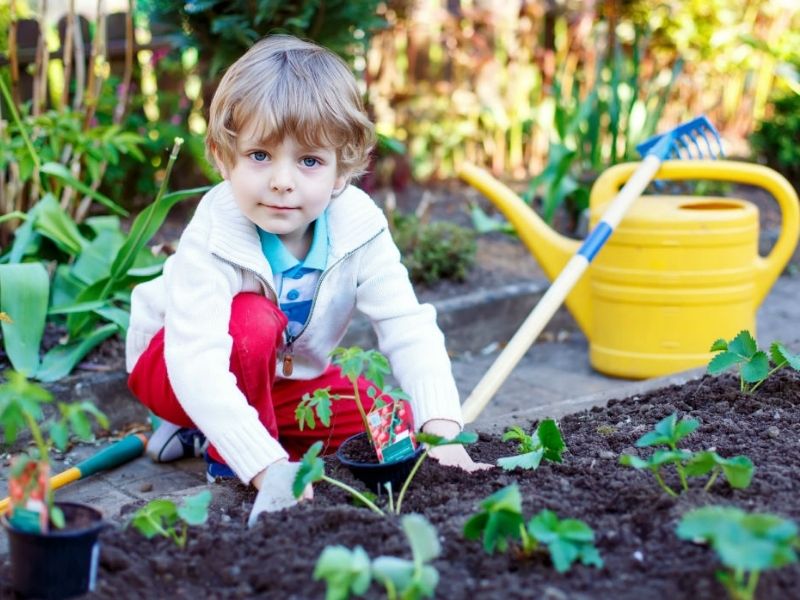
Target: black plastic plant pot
x=61, y=563
x=374, y=474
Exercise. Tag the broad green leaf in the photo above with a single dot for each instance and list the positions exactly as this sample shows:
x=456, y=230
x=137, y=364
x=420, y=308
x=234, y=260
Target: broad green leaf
x=782, y=356
x=702, y=463
x=151, y=519
x=344, y=570
x=684, y=427
x=550, y=437
x=94, y=261
x=575, y=530
x=629, y=460
x=145, y=226
x=719, y=345
x=508, y=498
x=432, y=440
x=501, y=527
x=119, y=317
x=422, y=538
x=194, y=510
x=59, y=433
x=54, y=223
x=543, y=526
x=77, y=308
x=738, y=471
x=757, y=368
x=563, y=553
x=529, y=460
x=396, y=572
x=60, y=361
x=24, y=237
x=311, y=470
x=62, y=173
x=744, y=344
x=722, y=362
x=590, y=556
x=24, y=293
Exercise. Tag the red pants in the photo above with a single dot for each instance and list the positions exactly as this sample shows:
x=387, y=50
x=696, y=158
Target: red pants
x=256, y=327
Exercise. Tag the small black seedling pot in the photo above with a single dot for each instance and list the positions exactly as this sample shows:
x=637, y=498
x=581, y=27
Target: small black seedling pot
x=60, y=563
x=375, y=475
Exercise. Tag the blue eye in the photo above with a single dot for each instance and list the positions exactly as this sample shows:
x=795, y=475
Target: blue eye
x=310, y=161
x=259, y=156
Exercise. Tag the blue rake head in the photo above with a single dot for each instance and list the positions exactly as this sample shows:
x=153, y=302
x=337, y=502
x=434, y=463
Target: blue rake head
x=691, y=140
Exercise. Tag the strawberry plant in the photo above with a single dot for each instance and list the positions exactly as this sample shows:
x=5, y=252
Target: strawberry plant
x=746, y=543
x=545, y=443
x=349, y=572
x=500, y=523
x=21, y=408
x=738, y=471
x=753, y=364
x=167, y=519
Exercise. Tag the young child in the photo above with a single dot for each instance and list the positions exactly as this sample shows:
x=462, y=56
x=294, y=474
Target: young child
x=267, y=276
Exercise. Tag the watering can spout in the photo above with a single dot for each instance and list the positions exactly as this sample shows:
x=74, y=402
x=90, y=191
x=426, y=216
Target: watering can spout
x=551, y=250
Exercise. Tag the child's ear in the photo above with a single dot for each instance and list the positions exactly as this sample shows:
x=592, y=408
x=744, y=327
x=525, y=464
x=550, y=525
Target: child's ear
x=223, y=170
x=340, y=183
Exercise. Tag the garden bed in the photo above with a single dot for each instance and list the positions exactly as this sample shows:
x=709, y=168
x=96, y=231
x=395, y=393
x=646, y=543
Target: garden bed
x=633, y=519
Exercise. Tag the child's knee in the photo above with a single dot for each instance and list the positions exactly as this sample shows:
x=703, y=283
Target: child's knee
x=256, y=322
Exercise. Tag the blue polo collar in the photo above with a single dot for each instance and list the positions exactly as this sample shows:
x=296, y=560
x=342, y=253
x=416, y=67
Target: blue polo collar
x=281, y=260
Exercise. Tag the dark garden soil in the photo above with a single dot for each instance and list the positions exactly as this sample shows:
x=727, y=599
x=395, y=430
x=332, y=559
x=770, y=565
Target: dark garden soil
x=633, y=519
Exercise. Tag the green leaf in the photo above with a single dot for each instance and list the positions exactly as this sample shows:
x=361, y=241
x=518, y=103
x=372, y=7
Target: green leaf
x=782, y=356
x=24, y=292
x=422, y=538
x=702, y=463
x=194, y=510
x=59, y=433
x=563, y=554
x=550, y=437
x=757, y=368
x=530, y=460
x=344, y=570
x=145, y=226
x=433, y=440
x=393, y=572
x=55, y=224
x=62, y=173
x=154, y=517
x=738, y=471
x=744, y=344
x=60, y=361
x=719, y=345
x=723, y=361
x=629, y=460
x=311, y=470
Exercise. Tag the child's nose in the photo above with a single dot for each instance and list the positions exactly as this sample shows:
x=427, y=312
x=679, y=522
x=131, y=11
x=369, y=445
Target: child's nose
x=281, y=179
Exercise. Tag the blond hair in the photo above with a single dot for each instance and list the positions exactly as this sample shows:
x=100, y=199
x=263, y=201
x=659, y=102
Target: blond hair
x=287, y=86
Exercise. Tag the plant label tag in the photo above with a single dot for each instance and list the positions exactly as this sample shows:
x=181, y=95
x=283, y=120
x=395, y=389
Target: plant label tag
x=28, y=490
x=392, y=431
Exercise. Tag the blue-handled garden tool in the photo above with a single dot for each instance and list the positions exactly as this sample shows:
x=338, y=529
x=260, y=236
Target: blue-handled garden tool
x=695, y=139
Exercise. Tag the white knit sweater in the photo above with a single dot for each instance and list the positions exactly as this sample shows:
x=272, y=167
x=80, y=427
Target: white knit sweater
x=219, y=255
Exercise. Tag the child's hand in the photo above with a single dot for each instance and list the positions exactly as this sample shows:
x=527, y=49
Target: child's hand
x=276, y=490
x=451, y=455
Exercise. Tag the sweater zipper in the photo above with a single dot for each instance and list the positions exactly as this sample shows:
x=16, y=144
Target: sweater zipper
x=287, y=355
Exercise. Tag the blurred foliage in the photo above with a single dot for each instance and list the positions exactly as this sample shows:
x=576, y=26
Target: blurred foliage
x=776, y=140
x=433, y=250
x=224, y=29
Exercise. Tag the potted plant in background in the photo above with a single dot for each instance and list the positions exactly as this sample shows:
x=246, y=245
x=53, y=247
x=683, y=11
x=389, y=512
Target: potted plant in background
x=386, y=451
x=53, y=546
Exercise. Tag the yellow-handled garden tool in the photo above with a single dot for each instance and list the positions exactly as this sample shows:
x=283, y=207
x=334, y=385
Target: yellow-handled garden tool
x=696, y=139
x=115, y=455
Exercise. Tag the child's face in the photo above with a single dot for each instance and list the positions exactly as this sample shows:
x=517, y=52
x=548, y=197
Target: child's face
x=283, y=187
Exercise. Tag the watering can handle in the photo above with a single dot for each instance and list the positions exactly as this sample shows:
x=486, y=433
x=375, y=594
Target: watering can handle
x=768, y=267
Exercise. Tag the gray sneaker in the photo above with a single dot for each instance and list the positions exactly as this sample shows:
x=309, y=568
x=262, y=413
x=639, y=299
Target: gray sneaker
x=170, y=442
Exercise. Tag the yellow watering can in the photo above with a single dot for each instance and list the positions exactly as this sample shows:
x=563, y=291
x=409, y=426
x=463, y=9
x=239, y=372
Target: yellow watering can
x=678, y=273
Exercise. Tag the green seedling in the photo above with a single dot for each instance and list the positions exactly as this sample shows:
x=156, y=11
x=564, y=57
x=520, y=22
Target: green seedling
x=353, y=363
x=500, y=523
x=21, y=408
x=546, y=442
x=746, y=543
x=738, y=471
x=351, y=571
x=312, y=470
x=167, y=519
x=753, y=364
